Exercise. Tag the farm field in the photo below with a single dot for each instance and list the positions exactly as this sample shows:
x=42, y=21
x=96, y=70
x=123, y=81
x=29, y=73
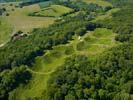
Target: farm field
x=53, y=11
x=19, y=19
x=91, y=44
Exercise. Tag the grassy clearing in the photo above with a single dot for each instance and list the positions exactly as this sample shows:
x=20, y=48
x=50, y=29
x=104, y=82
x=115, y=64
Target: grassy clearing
x=91, y=44
x=107, y=15
x=5, y=30
x=54, y=11
x=102, y=3
x=19, y=19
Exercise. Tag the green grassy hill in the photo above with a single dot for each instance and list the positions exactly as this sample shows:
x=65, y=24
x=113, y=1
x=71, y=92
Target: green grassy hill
x=53, y=11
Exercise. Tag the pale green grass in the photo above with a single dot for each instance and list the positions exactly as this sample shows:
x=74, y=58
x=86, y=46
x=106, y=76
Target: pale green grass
x=5, y=30
x=97, y=42
x=54, y=11
x=102, y=3
x=20, y=20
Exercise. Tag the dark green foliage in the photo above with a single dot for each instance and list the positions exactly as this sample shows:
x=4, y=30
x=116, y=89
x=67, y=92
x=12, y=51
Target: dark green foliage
x=104, y=79
x=10, y=79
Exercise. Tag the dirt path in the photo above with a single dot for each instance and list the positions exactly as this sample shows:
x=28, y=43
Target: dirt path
x=40, y=73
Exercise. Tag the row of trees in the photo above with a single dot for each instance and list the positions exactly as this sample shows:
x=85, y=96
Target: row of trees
x=10, y=79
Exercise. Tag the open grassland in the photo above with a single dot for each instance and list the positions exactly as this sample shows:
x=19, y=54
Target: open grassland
x=5, y=31
x=94, y=43
x=102, y=3
x=19, y=19
x=54, y=11
x=91, y=44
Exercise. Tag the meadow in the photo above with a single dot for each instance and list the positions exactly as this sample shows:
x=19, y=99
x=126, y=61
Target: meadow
x=53, y=11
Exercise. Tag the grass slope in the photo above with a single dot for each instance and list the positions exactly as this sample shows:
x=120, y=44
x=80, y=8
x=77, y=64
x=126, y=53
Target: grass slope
x=54, y=11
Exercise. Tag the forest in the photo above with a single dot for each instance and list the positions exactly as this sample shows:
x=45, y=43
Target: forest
x=81, y=75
